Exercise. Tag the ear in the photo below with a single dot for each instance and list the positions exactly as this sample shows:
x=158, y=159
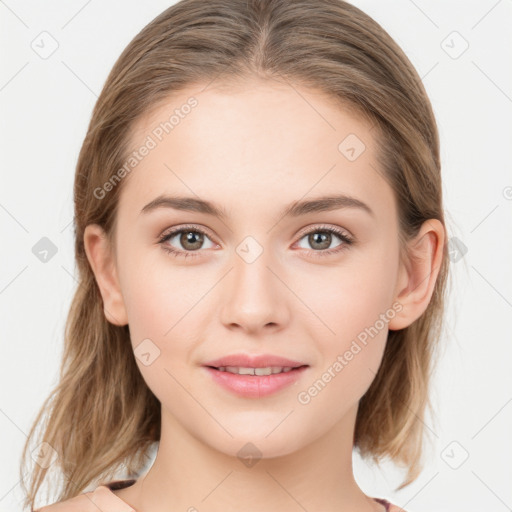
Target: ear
x=418, y=275
x=102, y=261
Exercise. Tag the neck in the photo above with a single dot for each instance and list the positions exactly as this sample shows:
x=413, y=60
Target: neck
x=188, y=474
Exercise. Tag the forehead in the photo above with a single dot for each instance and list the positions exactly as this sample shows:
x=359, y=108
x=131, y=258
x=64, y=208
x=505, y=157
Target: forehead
x=262, y=140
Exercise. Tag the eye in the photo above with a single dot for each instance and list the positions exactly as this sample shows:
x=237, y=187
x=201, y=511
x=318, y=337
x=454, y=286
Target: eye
x=321, y=238
x=190, y=238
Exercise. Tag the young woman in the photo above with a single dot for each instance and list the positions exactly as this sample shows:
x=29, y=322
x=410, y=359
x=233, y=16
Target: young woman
x=262, y=258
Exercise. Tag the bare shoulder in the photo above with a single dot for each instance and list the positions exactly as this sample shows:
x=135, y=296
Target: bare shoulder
x=80, y=503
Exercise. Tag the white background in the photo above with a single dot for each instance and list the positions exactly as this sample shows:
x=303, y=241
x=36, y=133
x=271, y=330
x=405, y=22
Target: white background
x=45, y=108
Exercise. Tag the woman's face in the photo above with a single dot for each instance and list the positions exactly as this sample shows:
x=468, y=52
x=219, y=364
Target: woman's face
x=265, y=277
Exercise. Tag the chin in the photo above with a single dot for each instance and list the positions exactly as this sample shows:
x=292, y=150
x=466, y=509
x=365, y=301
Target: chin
x=249, y=447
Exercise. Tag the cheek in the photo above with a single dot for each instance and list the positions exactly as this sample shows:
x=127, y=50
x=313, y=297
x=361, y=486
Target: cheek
x=350, y=297
x=158, y=304
x=350, y=356
x=162, y=304
x=156, y=296
x=353, y=308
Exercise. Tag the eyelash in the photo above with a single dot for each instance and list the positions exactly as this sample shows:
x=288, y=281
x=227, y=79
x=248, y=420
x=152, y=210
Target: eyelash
x=347, y=241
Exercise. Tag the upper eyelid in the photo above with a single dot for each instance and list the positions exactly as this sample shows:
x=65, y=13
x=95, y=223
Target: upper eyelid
x=320, y=227
x=179, y=229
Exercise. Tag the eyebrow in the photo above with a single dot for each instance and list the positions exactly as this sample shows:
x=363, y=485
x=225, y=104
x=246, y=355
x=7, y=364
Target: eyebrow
x=295, y=209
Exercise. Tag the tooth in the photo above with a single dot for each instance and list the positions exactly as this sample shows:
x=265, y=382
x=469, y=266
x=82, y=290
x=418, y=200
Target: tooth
x=262, y=371
x=269, y=370
x=246, y=371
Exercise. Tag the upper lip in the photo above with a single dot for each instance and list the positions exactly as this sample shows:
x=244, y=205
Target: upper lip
x=254, y=361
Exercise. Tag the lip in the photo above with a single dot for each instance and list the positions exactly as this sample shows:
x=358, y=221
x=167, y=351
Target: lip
x=254, y=386
x=254, y=361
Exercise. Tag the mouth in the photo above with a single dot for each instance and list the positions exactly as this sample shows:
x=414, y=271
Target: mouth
x=255, y=376
x=261, y=371
x=255, y=361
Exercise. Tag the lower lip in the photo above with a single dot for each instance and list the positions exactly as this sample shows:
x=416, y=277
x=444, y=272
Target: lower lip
x=255, y=386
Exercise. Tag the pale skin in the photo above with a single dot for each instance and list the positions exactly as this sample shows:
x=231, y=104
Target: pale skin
x=253, y=150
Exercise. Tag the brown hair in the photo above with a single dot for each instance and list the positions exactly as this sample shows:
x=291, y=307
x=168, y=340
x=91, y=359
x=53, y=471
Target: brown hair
x=101, y=416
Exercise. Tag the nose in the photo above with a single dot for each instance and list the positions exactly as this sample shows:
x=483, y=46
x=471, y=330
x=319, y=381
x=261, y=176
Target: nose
x=254, y=297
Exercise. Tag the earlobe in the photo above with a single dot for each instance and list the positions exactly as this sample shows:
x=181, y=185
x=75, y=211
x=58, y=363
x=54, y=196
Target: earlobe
x=100, y=257
x=418, y=276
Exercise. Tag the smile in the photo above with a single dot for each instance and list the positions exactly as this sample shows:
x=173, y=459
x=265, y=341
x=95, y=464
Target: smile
x=250, y=382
